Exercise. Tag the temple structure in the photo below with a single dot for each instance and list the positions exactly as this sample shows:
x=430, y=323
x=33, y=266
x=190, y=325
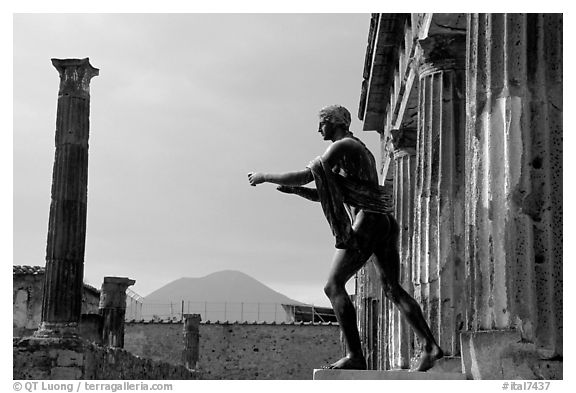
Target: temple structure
x=469, y=111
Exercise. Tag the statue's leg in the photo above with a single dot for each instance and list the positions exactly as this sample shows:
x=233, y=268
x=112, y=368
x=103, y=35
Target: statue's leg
x=387, y=264
x=345, y=264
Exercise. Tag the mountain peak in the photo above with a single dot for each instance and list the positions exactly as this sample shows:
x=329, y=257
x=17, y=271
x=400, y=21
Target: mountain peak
x=222, y=286
x=227, y=273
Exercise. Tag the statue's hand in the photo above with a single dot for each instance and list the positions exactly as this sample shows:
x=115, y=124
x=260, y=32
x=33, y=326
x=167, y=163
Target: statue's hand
x=286, y=189
x=255, y=178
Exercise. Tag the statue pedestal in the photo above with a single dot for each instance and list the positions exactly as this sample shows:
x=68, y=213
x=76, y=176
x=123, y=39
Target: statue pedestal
x=321, y=374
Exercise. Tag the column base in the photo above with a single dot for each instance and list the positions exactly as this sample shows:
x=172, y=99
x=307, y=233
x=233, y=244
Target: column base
x=322, y=374
x=57, y=330
x=502, y=354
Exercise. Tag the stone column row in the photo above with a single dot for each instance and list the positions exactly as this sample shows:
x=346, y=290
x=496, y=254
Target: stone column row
x=514, y=175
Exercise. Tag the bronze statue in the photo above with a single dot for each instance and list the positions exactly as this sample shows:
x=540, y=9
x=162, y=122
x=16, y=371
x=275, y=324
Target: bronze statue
x=359, y=213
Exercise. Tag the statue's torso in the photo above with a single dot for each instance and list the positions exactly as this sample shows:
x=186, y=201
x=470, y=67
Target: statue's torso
x=357, y=162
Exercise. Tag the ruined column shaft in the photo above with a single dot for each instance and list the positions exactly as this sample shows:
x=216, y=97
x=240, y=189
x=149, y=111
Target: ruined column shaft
x=62, y=297
x=438, y=221
x=514, y=167
x=191, y=352
x=112, y=308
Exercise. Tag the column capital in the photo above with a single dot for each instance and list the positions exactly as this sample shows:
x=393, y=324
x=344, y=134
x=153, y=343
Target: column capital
x=113, y=292
x=119, y=281
x=75, y=76
x=192, y=318
x=404, y=141
x=442, y=52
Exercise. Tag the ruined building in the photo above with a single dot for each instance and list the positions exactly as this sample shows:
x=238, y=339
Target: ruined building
x=469, y=111
x=27, y=289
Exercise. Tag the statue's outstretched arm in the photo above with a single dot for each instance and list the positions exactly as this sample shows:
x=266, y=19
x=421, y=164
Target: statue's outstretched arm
x=305, y=192
x=298, y=178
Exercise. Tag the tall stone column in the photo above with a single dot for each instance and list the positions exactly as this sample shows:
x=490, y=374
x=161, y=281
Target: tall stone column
x=190, y=354
x=404, y=156
x=113, y=310
x=514, y=176
x=437, y=245
x=62, y=297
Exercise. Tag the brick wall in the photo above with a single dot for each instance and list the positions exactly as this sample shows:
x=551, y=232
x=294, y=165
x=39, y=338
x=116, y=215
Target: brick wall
x=241, y=351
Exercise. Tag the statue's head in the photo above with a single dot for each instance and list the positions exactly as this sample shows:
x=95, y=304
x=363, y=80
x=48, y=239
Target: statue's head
x=336, y=115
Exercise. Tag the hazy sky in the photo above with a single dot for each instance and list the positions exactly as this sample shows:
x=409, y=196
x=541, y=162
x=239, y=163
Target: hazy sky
x=184, y=107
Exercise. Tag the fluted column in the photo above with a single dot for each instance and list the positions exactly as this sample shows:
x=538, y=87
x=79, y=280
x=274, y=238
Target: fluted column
x=514, y=176
x=113, y=310
x=404, y=156
x=62, y=296
x=437, y=259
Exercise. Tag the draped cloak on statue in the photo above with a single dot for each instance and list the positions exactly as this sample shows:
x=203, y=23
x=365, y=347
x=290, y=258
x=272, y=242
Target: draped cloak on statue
x=336, y=191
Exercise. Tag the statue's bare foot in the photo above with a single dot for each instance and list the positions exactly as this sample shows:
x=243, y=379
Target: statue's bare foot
x=428, y=358
x=348, y=363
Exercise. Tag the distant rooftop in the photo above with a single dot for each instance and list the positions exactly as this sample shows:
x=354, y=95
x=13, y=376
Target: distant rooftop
x=23, y=270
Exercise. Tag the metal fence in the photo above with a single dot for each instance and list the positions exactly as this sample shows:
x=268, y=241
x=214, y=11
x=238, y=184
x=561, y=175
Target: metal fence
x=210, y=311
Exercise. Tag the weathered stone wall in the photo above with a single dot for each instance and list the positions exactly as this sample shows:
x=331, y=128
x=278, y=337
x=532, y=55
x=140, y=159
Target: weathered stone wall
x=241, y=351
x=162, y=341
x=27, y=301
x=90, y=300
x=266, y=351
x=49, y=359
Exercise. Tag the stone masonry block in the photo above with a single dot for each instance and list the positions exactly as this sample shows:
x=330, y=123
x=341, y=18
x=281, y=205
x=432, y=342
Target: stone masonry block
x=67, y=358
x=482, y=351
x=66, y=373
x=448, y=365
x=503, y=355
